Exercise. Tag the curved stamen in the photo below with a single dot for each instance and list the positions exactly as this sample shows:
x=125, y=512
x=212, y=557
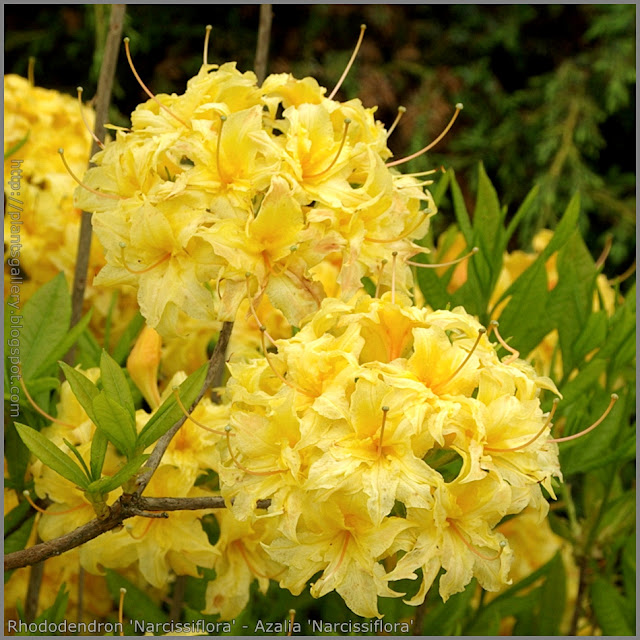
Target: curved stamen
x=493, y=326
x=401, y=111
x=42, y=412
x=146, y=89
x=385, y=411
x=278, y=374
x=255, y=313
x=532, y=440
x=459, y=108
x=394, y=257
x=123, y=591
x=622, y=277
x=605, y=252
x=242, y=467
x=144, y=533
x=176, y=394
x=84, y=186
x=614, y=399
x=123, y=246
x=86, y=124
x=363, y=28
x=27, y=494
x=471, y=548
x=292, y=617
x=450, y=263
x=205, y=53
x=418, y=174
x=380, y=270
x=481, y=332
x=347, y=122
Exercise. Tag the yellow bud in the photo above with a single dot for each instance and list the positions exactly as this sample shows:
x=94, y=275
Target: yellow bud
x=143, y=363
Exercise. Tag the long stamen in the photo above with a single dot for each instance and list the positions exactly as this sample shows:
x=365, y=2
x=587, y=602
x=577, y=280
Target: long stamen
x=205, y=53
x=408, y=232
x=123, y=246
x=622, y=277
x=614, y=399
x=223, y=177
x=436, y=265
x=481, y=332
x=605, y=252
x=459, y=108
x=418, y=174
x=42, y=412
x=494, y=324
x=278, y=374
x=176, y=394
x=347, y=537
x=123, y=591
x=385, y=411
x=146, y=89
x=380, y=270
x=242, y=467
x=84, y=186
x=255, y=313
x=347, y=122
x=363, y=28
x=394, y=257
x=401, y=111
x=144, y=533
x=30, y=71
x=532, y=440
x=86, y=124
x=292, y=617
x=471, y=548
x=27, y=494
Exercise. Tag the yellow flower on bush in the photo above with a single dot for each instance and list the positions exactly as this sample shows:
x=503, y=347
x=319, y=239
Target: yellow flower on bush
x=378, y=428
x=235, y=190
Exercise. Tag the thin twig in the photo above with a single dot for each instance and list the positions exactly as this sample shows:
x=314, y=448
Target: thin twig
x=177, y=599
x=80, y=608
x=103, y=99
x=262, y=48
x=118, y=512
x=216, y=363
x=33, y=592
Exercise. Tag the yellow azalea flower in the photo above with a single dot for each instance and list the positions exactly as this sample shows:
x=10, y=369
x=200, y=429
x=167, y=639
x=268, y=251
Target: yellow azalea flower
x=186, y=202
x=363, y=412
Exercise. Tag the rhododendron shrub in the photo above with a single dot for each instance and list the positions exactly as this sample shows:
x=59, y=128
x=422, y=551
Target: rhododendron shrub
x=323, y=397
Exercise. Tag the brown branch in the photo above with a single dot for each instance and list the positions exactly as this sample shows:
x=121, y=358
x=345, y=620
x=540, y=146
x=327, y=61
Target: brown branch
x=103, y=99
x=216, y=364
x=33, y=591
x=125, y=507
x=262, y=48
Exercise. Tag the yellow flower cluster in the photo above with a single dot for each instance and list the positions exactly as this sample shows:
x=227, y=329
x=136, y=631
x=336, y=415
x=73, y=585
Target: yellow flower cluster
x=234, y=190
x=379, y=428
x=47, y=120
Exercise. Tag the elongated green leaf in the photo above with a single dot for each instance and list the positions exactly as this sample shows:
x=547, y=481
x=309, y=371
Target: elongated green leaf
x=36, y=387
x=79, y=457
x=109, y=483
x=42, y=330
x=16, y=456
x=441, y=187
x=127, y=339
x=460, y=209
x=521, y=213
x=55, y=614
x=115, y=384
x=592, y=335
x=610, y=610
x=89, y=351
x=444, y=617
x=98, y=452
x=18, y=540
x=15, y=516
x=51, y=456
x=116, y=423
x=83, y=389
x=65, y=344
x=169, y=412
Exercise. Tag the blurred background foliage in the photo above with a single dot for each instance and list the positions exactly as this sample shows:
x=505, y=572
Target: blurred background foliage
x=549, y=90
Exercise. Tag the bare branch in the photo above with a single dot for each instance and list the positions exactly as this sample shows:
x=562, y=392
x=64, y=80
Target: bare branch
x=103, y=99
x=262, y=48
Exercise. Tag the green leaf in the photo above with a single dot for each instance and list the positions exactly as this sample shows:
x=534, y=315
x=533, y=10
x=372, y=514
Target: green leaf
x=17, y=146
x=116, y=422
x=55, y=614
x=37, y=387
x=460, y=209
x=115, y=384
x=16, y=456
x=522, y=212
x=79, y=458
x=16, y=515
x=443, y=618
x=169, y=412
x=110, y=483
x=99, y=445
x=89, y=351
x=65, y=344
x=127, y=339
x=437, y=193
x=18, y=541
x=51, y=455
x=610, y=608
x=553, y=595
x=43, y=330
x=83, y=389
x=137, y=604
x=592, y=336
